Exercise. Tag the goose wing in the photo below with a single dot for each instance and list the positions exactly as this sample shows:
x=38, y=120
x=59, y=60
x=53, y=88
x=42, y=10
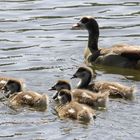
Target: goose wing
x=128, y=51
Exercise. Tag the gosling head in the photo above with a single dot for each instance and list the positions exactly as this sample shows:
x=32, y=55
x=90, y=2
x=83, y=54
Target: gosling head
x=64, y=96
x=11, y=87
x=61, y=84
x=83, y=72
x=89, y=23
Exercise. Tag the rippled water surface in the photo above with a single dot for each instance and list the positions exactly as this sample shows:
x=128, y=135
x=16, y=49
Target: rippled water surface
x=38, y=45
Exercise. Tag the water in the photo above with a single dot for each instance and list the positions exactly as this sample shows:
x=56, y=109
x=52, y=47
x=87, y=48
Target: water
x=37, y=45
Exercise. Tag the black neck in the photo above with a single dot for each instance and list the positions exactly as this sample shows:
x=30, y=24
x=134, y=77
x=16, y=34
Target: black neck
x=84, y=82
x=93, y=42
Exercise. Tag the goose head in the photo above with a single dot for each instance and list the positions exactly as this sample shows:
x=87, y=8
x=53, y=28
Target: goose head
x=89, y=23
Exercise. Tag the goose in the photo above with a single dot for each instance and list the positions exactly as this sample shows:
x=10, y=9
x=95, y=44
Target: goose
x=122, y=55
x=97, y=101
x=68, y=108
x=115, y=89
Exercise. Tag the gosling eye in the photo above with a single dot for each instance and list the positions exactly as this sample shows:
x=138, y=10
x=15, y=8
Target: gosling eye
x=83, y=74
x=61, y=94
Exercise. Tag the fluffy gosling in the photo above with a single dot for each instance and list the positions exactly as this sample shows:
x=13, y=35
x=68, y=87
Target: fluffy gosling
x=98, y=101
x=68, y=108
x=115, y=89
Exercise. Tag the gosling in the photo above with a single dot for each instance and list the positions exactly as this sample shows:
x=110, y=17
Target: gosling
x=68, y=108
x=115, y=89
x=18, y=97
x=10, y=85
x=29, y=98
x=97, y=101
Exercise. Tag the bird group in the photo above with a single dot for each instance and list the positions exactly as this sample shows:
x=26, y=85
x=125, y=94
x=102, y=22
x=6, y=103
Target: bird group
x=83, y=101
x=79, y=103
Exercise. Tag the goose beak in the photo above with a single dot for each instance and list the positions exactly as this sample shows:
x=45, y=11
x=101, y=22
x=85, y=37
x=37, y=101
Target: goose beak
x=77, y=26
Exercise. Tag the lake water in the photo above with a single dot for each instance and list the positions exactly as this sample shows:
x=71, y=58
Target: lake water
x=38, y=45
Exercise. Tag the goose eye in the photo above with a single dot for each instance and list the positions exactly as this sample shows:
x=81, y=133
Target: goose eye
x=84, y=20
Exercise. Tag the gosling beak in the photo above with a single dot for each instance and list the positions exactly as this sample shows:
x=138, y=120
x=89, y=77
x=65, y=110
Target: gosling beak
x=52, y=88
x=74, y=76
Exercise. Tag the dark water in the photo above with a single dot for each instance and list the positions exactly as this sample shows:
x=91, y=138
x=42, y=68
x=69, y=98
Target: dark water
x=37, y=45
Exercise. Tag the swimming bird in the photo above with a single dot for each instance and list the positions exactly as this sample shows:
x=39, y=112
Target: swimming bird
x=68, y=108
x=122, y=55
x=98, y=101
x=28, y=98
x=9, y=85
x=18, y=97
x=114, y=88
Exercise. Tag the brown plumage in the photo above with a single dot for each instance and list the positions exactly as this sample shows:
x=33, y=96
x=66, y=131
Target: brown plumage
x=123, y=55
x=30, y=99
x=98, y=101
x=68, y=108
x=115, y=89
x=14, y=92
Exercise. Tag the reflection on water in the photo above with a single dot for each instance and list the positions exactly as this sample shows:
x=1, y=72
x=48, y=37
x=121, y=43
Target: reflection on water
x=38, y=45
x=127, y=73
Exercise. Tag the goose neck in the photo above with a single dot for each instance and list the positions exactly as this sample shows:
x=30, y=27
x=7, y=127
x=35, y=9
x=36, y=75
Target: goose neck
x=93, y=42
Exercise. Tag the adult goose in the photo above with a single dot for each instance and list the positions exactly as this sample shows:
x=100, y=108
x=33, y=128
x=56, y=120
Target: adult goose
x=115, y=89
x=83, y=96
x=68, y=108
x=126, y=56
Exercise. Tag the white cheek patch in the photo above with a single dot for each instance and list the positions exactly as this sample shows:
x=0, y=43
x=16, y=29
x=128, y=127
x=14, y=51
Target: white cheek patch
x=71, y=110
x=79, y=83
x=85, y=95
x=27, y=96
x=59, y=97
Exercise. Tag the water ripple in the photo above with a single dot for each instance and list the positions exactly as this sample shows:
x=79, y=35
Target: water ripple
x=38, y=45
